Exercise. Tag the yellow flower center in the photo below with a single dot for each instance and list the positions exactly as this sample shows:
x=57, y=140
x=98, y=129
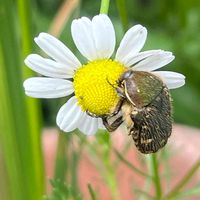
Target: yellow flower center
x=94, y=85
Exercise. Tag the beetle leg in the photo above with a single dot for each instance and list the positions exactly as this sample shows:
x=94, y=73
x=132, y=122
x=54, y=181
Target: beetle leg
x=91, y=114
x=114, y=125
x=116, y=109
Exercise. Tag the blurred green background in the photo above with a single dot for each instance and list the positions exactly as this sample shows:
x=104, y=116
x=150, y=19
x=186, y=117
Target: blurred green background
x=172, y=25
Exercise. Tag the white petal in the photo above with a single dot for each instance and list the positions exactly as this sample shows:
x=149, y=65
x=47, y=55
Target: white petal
x=104, y=35
x=154, y=61
x=129, y=61
x=82, y=35
x=57, y=50
x=48, y=67
x=88, y=125
x=171, y=79
x=69, y=115
x=132, y=43
x=47, y=87
x=100, y=124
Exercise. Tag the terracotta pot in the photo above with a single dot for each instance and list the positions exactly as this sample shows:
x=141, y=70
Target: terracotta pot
x=184, y=150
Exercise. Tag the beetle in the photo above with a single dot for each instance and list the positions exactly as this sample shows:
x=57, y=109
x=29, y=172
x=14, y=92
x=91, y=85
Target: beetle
x=145, y=108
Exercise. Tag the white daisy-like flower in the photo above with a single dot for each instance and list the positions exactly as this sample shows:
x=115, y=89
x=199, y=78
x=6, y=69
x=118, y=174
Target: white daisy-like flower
x=90, y=84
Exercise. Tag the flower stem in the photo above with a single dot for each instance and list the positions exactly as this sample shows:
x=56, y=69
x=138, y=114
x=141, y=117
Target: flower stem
x=61, y=162
x=104, y=6
x=110, y=175
x=184, y=181
x=121, y=6
x=130, y=165
x=156, y=177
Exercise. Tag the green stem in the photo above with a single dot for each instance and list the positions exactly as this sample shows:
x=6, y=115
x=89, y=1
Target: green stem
x=148, y=179
x=106, y=165
x=165, y=160
x=104, y=6
x=92, y=193
x=121, y=6
x=156, y=177
x=110, y=175
x=61, y=162
x=143, y=193
x=184, y=181
x=128, y=164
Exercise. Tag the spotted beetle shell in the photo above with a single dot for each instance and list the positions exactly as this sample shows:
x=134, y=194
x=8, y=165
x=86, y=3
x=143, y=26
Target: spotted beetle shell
x=152, y=113
x=153, y=124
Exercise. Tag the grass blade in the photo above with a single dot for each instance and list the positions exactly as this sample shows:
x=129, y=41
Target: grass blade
x=19, y=137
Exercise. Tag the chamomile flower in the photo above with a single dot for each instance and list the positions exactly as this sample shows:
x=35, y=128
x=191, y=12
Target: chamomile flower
x=90, y=85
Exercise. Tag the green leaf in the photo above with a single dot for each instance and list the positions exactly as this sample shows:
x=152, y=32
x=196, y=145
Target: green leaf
x=19, y=134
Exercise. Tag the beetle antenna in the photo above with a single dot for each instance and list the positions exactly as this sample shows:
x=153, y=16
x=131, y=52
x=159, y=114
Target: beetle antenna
x=111, y=83
x=117, y=89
